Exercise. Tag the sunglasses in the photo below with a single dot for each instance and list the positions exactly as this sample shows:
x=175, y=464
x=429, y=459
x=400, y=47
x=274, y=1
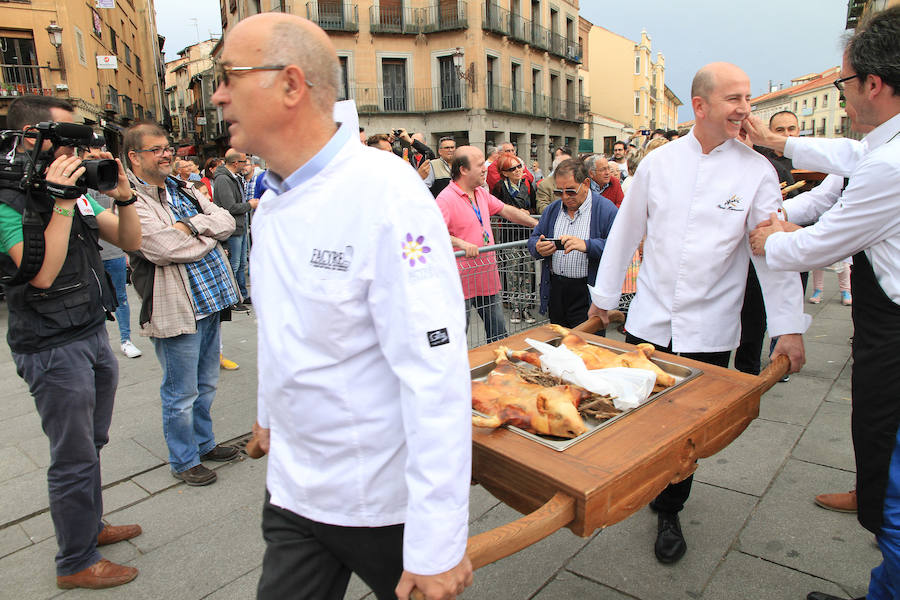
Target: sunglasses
x=567, y=192
x=225, y=72
x=515, y=168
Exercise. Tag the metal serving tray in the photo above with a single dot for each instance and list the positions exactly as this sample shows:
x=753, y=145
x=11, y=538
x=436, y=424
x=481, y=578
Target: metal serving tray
x=681, y=374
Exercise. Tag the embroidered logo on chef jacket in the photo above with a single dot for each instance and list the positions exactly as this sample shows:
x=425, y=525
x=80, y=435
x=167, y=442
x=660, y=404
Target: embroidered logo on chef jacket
x=414, y=249
x=332, y=260
x=438, y=337
x=733, y=203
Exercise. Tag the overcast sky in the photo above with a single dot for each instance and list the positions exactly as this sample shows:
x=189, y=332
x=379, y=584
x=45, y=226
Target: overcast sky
x=770, y=39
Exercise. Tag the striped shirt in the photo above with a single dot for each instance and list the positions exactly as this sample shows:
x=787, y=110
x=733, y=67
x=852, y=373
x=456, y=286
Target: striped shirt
x=210, y=279
x=574, y=264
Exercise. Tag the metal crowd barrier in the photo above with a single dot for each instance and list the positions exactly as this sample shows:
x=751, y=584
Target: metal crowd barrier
x=509, y=269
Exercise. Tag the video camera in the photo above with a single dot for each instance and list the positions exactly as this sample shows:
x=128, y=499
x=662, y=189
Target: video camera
x=25, y=171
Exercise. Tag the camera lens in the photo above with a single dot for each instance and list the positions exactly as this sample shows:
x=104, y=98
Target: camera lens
x=102, y=174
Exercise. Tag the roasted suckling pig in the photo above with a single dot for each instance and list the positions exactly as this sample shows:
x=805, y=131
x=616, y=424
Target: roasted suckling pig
x=508, y=397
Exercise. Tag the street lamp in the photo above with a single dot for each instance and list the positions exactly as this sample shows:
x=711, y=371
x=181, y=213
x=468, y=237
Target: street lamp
x=55, y=33
x=459, y=63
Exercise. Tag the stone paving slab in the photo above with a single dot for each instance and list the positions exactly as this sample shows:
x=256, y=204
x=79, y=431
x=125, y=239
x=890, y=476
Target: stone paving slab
x=181, y=510
x=23, y=496
x=39, y=527
x=621, y=557
x=824, y=360
x=242, y=588
x=827, y=440
x=840, y=391
x=795, y=401
x=750, y=462
x=571, y=585
x=156, y=480
x=830, y=331
x=789, y=529
x=742, y=576
x=12, y=539
x=31, y=571
x=121, y=495
x=15, y=462
x=120, y=459
x=37, y=449
x=20, y=428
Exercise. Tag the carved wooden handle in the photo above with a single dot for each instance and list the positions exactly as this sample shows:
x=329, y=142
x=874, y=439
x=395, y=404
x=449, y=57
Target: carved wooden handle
x=500, y=542
x=594, y=324
x=773, y=373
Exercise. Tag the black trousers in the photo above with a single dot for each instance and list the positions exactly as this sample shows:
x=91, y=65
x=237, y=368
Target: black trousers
x=569, y=301
x=306, y=560
x=753, y=324
x=672, y=499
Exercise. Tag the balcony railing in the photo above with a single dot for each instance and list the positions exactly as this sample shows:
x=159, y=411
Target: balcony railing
x=820, y=131
x=494, y=19
x=19, y=80
x=378, y=99
x=112, y=103
x=540, y=36
x=504, y=99
x=503, y=22
x=584, y=104
x=334, y=16
x=431, y=19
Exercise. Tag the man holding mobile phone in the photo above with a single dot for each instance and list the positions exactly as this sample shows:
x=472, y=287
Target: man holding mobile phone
x=570, y=237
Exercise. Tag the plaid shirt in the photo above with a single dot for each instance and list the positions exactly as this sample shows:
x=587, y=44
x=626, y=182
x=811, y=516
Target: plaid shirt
x=574, y=264
x=210, y=279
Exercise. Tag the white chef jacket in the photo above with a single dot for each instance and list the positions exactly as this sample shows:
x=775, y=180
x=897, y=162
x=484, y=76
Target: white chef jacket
x=696, y=211
x=806, y=208
x=363, y=369
x=838, y=156
x=865, y=218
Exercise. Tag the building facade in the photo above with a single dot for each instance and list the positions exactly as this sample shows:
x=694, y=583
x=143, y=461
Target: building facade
x=627, y=86
x=190, y=83
x=482, y=72
x=106, y=61
x=815, y=101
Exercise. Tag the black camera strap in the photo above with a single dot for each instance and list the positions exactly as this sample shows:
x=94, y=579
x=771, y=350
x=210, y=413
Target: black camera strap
x=32, y=245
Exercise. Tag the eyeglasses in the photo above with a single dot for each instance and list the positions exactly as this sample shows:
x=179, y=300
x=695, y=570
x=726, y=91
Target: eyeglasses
x=839, y=83
x=447, y=148
x=568, y=192
x=515, y=168
x=225, y=72
x=159, y=150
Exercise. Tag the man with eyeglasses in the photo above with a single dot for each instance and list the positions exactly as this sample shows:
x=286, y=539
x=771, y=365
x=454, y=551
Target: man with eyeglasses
x=186, y=287
x=581, y=226
x=544, y=195
x=364, y=398
x=59, y=342
x=228, y=192
x=602, y=181
x=694, y=201
x=864, y=223
x=439, y=177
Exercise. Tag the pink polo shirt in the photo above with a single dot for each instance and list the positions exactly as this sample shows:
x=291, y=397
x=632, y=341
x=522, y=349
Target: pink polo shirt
x=479, y=275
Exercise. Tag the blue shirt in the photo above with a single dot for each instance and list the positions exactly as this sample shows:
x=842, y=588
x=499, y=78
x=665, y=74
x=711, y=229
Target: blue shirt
x=210, y=278
x=312, y=167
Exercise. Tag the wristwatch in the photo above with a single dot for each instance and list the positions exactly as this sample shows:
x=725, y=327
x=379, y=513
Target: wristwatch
x=190, y=226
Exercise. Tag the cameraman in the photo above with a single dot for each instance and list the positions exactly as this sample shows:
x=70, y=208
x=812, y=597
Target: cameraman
x=420, y=155
x=59, y=342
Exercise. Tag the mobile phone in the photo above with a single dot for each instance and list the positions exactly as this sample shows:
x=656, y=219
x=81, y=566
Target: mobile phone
x=557, y=241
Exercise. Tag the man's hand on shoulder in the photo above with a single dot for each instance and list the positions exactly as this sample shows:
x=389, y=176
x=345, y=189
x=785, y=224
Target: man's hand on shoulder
x=443, y=586
x=791, y=345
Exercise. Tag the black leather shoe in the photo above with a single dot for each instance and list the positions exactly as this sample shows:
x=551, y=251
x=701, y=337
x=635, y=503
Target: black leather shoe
x=670, y=545
x=221, y=454
x=824, y=596
x=653, y=506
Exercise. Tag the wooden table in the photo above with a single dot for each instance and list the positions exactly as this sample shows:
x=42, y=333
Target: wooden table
x=616, y=471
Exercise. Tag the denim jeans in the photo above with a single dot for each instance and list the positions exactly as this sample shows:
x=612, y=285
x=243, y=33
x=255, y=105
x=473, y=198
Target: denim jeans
x=491, y=314
x=190, y=364
x=237, y=255
x=116, y=269
x=74, y=386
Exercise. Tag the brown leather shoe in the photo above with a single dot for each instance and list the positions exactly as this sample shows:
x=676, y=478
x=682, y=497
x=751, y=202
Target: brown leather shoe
x=845, y=503
x=101, y=574
x=116, y=533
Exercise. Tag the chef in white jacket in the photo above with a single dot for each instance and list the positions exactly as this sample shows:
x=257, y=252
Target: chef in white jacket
x=364, y=392
x=865, y=223
x=696, y=199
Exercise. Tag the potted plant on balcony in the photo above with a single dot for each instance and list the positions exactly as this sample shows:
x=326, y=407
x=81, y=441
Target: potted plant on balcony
x=4, y=90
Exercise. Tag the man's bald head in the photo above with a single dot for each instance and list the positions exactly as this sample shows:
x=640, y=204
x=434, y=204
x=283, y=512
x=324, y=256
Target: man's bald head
x=707, y=78
x=285, y=39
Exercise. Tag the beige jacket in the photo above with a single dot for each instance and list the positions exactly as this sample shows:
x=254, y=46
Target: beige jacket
x=173, y=310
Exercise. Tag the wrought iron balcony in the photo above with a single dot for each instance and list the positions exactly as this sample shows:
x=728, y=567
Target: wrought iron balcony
x=379, y=99
x=508, y=100
x=431, y=19
x=19, y=80
x=334, y=16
